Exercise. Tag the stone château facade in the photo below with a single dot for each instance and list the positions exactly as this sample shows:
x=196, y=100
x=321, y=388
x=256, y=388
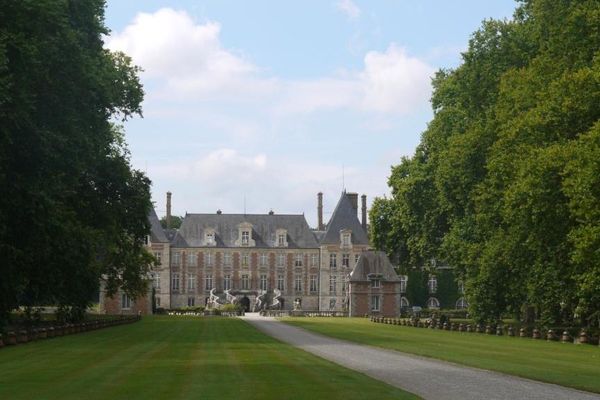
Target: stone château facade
x=266, y=261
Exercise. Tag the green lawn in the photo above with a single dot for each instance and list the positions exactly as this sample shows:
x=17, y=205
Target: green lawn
x=178, y=358
x=565, y=364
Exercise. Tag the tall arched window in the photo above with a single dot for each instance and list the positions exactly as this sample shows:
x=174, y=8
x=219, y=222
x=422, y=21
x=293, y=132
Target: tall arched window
x=432, y=284
x=404, y=303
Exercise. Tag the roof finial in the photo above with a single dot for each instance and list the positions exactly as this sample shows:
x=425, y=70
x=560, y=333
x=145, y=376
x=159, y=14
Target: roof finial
x=343, y=179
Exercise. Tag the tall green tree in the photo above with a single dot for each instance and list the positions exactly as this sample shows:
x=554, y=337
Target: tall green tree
x=72, y=209
x=503, y=184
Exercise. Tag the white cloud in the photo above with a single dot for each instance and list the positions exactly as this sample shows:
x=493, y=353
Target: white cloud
x=188, y=57
x=349, y=8
x=390, y=82
x=188, y=62
x=394, y=81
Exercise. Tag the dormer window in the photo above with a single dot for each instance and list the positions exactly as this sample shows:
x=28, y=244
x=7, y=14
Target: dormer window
x=245, y=235
x=346, y=238
x=281, y=238
x=210, y=237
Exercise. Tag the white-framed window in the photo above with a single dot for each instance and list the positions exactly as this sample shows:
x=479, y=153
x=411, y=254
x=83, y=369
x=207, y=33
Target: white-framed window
x=156, y=281
x=298, y=260
x=356, y=257
x=298, y=283
x=176, y=258
x=192, y=259
x=208, y=259
x=226, y=282
x=281, y=240
x=332, y=260
x=376, y=283
x=375, y=303
x=461, y=287
x=263, y=259
x=191, y=282
x=313, y=260
x=263, y=282
x=175, y=281
x=125, y=302
x=280, y=282
x=227, y=259
x=191, y=301
x=432, y=284
x=245, y=282
x=403, y=282
x=332, y=284
x=245, y=238
x=346, y=239
x=404, y=302
x=245, y=259
x=313, y=283
x=344, y=284
x=208, y=282
x=280, y=259
x=157, y=300
x=432, y=302
x=346, y=260
x=462, y=303
x=158, y=256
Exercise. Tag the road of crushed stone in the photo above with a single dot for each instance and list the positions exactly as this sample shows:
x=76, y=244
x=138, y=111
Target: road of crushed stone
x=427, y=378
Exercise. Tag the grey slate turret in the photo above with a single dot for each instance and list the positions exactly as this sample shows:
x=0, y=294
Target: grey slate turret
x=157, y=233
x=344, y=217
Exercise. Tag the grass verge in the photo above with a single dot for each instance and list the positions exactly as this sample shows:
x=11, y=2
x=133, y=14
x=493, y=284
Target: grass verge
x=565, y=364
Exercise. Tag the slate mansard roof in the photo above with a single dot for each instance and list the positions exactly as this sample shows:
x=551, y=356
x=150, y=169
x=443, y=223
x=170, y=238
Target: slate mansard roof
x=373, y=264
x=226, y=227
x=344, y=217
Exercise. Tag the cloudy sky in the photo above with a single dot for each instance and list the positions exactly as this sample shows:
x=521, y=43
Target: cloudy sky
x=266, y=103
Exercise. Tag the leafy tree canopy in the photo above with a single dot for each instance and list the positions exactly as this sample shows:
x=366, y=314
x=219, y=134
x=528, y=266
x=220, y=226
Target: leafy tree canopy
x=504, y=184
x=72, y=209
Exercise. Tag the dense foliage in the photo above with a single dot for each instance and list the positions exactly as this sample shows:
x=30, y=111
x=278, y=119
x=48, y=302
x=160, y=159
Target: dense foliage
x=175, y=222
x=505, y=184
x=71, y=207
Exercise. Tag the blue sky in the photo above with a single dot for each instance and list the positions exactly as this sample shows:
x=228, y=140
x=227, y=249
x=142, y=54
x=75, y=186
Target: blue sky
x=273, y=101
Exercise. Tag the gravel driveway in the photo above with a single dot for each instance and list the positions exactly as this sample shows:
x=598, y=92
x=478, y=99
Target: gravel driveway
x=425, y=377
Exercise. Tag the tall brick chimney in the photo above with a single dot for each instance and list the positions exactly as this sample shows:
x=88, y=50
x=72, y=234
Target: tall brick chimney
x=364, y=211
x=168, y=210
x=354, y=201
x=320, y=210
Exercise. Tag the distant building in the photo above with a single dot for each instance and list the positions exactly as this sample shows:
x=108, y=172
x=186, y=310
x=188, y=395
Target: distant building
x=374, y=286
x=264, y=261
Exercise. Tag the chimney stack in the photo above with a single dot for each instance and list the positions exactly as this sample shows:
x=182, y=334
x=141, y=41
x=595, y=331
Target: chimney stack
x=320, y=210
x=168, y=210
x=364, y=211
x=354, y=201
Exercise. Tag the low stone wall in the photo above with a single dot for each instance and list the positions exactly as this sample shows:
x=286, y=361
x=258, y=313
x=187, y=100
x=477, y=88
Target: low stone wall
x=207, y=313
x=300, y=313
x=498, y=330
x=13, y=338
